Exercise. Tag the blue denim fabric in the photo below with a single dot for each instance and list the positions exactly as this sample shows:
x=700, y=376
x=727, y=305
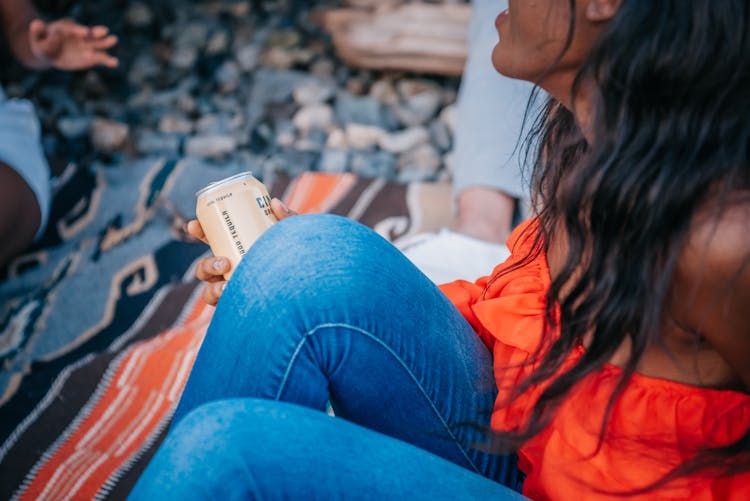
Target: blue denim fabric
x=322, y=309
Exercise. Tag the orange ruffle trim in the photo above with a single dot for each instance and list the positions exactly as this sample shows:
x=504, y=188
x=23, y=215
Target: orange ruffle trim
x=656, y=424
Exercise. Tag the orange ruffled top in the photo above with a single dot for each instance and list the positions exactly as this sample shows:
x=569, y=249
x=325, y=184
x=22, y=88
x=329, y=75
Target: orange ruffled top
x=656, y=424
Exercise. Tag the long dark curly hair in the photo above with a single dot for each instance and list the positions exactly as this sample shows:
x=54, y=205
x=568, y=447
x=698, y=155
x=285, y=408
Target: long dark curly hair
x=671, y=134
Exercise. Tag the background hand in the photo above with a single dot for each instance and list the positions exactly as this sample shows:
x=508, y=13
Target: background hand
x=67, y=45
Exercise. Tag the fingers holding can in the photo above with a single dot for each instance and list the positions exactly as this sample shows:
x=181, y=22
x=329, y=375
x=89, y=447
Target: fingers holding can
x=212, y=292
x=212, y=269
x=280, y=210
x=195, y=230
x=232, y=213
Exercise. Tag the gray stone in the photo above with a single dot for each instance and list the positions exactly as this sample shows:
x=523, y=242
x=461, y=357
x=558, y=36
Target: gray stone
x=150, y=143
x=210, y=146
x=405, y=140
x=319, y=116
x=365, y=110
x=247, y=57
x=286, y=134
x=184, y=58
x=384, y=91
x=186, y=104
x=74, y=127
x=217, y=43
x=139, y=15
x=422, y=163
x=334, y=161
x=294, y=162
x=373, y=164
x=337, y=139
x=323, y=68
x=228, y=77
x=448, y=117
x=316, y=138
x=217, y=124
x=362, y=137
x=193, y=34
x=278, y=57
x=144, y=68
x=275, y=86
x=441, y=135
x=418, y=109
x=313, y=91
x=108, y=136
x=172, y=124
x=420, y=102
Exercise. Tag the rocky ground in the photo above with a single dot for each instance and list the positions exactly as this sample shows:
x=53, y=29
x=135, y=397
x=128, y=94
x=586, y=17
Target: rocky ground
x=238, y=81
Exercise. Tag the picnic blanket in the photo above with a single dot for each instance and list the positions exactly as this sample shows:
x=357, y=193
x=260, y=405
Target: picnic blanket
x=101, y=321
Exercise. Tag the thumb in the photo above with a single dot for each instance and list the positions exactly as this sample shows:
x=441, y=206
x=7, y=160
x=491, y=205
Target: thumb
x=38, y=29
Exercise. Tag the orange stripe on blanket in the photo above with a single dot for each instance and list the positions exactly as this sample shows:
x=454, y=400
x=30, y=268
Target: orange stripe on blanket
x=135, y=403
x=313, y=192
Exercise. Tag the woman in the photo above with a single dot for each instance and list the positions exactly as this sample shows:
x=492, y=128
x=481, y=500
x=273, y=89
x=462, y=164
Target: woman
x=617, y=330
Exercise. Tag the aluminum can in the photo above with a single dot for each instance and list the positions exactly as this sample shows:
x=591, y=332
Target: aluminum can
x=234, y=212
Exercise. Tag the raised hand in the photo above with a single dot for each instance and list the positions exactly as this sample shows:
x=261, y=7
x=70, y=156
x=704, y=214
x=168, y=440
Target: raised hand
x=67, y=45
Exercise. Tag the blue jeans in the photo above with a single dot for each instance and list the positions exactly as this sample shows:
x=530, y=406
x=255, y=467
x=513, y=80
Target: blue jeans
x=320, y=310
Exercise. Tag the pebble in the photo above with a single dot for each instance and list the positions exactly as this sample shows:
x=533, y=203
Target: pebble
x=217, y=43
x=318, y=116
x=384, y=91
x=228, y=77
x=313, y=91
x=334, y=161
x=405, y=140
x=210, y=146
x=175, y=124
x=419, y=164
x=75, y=127
x=139, y=15
x=108, y=136
x=184, y=58
x=247, y=57
x=441, y=135
x=151, y=143
x=337, y=139
x=363, y=137
x=373, y=164
x=365, y=110
x=448, y=117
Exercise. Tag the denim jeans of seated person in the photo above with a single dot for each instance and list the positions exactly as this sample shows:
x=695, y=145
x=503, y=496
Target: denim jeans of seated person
x=322, y=309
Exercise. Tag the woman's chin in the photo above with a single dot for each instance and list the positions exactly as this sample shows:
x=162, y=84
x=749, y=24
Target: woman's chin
x=502, y=62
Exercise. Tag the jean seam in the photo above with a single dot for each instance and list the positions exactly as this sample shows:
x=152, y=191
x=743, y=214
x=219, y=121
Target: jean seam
x=370, y=335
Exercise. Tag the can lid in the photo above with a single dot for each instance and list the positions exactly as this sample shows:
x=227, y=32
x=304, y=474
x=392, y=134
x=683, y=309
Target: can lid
x=224, y=182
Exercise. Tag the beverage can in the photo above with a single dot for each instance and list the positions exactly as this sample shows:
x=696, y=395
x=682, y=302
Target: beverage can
x=234, y=212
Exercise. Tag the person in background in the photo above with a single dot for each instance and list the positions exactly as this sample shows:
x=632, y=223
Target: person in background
x=24, y=173
x=490, y=196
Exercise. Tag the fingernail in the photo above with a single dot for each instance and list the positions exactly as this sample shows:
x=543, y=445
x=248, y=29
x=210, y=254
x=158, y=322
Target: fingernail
x=223, y=286
x=218, y=264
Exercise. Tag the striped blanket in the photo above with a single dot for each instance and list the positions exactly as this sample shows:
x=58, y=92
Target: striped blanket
x=100, y=323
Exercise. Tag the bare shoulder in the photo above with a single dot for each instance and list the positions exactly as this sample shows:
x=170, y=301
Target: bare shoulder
x=720, y=240
x=712, y=285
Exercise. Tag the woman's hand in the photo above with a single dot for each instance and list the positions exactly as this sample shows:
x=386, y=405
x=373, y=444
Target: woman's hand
x=67, y=45
x=212, y=269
